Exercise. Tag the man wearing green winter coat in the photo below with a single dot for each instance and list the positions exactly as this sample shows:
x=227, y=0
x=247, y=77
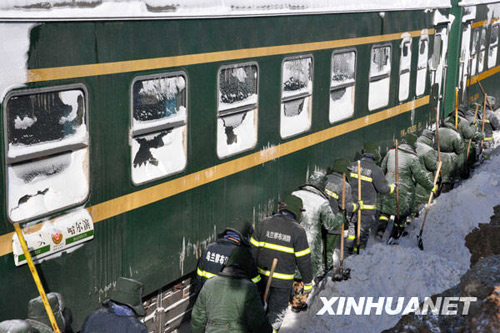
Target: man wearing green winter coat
x=411, y=172
x=428, y=157
x=230, y=302
x=451, y=145
x=317, y=215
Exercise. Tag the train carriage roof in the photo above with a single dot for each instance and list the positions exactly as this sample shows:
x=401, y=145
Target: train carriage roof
x=476, y=2
x=160, y=9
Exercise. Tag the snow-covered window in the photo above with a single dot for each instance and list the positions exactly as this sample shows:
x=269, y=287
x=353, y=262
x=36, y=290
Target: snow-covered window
x=159, y=126
x=237, y=111
x=47, y=151
x=493, y=51
x=482, y=51
x=296, y=96
x=342, y=85
x=380, y=77
x=405, y=70
x=423, y=53
x=473, y=52
x=436, y=52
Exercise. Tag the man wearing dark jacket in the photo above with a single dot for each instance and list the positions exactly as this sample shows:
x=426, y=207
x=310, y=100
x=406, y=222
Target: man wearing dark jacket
x=280, y=236
x=372, y=182
x=216, y=255
x=451, y=145
x=230, y=302
x=120, y=315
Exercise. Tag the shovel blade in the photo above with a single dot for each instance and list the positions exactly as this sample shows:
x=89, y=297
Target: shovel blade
x=341, y=274
x=420, y=243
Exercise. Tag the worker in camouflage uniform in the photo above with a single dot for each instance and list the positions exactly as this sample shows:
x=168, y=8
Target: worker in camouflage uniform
x=216, y=254
x=467, y=130
x=491, y=124
x=410, y=172
x=230, y=302
x=318, y=214
x=281, y=237
x=428, y=158
x=373, y=181
x=333, y=190
x=451, y=145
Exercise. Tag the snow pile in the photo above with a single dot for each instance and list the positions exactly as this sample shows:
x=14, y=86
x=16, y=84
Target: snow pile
x=404, y=270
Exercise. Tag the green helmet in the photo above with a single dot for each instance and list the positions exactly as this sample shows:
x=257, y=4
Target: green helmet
x=340, y=165
x=318, y=179
x=294, y=205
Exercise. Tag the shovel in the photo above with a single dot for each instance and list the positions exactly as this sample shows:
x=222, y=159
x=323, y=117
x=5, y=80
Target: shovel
x=339, y=273
x=419, y=237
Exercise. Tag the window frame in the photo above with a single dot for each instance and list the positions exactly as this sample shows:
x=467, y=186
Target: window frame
x=406, y=40
x=344, y=85
x=236, y=110
x=298, y=96
x=160, y=127
x=47, y=153
x=380, y=77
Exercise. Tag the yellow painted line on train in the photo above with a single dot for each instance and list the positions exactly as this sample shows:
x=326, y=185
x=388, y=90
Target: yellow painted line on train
x=128, y=202
x=483, y=23
x=69, y=72
x=483, y=75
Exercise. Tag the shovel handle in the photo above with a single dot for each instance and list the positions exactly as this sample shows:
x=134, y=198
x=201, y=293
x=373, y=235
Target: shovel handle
x=430, y=197
x=397, y=178
x=342, y=226
x=359, y=208
x=268, y=285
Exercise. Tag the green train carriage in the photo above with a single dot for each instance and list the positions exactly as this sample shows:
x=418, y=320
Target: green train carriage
x=120, y=94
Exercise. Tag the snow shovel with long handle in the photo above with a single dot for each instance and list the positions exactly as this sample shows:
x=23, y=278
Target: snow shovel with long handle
x=397, y=179
x=358, y=231
x=419, y=237
x=269, y=280
x=484, y=116
x=339, y=273
x=484, y=93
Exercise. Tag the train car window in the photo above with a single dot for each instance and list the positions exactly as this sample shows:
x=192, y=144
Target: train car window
x=296, y=96
x=159, y=127
x=342, y=85
x=436, y=52
x=493, y=50
x=237, y=110
x=482, y=51
x=473, y=52
x=405, y=70
x=47, y=151
x=380, y=77
x=423, y=53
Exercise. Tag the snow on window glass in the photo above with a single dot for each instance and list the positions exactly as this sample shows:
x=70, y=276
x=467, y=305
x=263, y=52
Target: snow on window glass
x=380, y=70
x=47, y=164
x=158, y=154
x=493, y=51
x=342, y=87
x=404, y=70
x=47, y=184
x=237, y=87
x=44, y=121
x=436, y=52
x=474, y=47
x=159, y=114
x=159, y=101
x=482, y=51
x=423, y=53
x=237, y=112
x=296, y=90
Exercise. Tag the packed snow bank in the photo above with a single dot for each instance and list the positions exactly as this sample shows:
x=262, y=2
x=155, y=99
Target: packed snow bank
x=404, y=270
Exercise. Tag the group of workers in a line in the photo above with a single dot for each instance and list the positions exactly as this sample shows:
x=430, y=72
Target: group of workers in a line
x=246, y=282
x=298, y=246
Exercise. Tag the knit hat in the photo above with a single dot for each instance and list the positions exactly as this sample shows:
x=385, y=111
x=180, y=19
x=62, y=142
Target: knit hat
x=428, y=134
x=15, y=326
x=128, y=292
x=410, y=139
x=38, y=315
x=318, y=179
x=294, y=205
x=340, y=165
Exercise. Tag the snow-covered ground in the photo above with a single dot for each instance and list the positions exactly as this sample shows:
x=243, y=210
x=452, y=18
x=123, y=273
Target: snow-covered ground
x=404, y=270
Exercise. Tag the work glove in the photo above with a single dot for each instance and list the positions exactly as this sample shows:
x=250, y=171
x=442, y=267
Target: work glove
x=393, y=187
x=434, y=189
